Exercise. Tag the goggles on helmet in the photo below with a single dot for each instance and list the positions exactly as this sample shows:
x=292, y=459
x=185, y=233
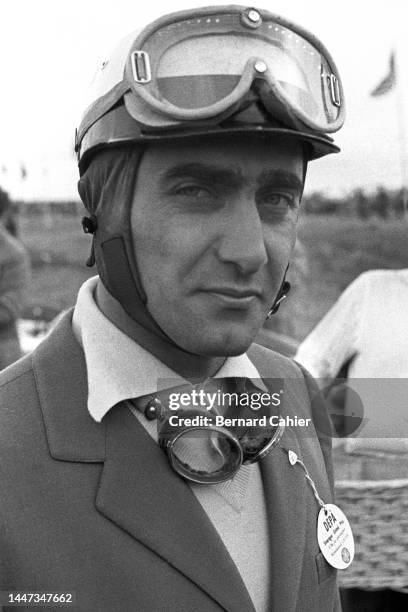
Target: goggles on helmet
x=195, y=68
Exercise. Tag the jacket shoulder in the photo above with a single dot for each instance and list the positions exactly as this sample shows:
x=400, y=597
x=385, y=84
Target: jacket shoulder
x=15, y=377
x=21, y=423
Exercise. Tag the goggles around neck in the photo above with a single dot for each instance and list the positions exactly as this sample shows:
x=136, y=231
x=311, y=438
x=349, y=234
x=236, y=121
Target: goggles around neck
x=209, y=454
x=196, y=65
x=202, y=450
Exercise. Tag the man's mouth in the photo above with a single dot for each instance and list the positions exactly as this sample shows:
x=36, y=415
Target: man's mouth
x=231, y=296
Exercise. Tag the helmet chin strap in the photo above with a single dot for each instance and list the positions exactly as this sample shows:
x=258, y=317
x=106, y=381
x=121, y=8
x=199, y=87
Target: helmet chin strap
x=285, y=286
x=89, y=225
x=282, y=295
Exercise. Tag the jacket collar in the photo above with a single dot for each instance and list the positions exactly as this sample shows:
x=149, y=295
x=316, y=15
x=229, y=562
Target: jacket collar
x=131, y=371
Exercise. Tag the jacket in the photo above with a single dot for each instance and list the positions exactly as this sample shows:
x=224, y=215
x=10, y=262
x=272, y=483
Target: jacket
x=95, y=509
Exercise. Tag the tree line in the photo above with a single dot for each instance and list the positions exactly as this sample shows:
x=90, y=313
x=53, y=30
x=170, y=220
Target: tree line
x=383, y=203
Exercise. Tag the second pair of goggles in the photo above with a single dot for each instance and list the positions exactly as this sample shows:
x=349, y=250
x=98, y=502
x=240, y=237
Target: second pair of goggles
x=203, y=452
x=197, y=64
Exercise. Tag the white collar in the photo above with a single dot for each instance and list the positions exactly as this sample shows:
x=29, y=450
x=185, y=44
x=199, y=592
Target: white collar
x=118, y=368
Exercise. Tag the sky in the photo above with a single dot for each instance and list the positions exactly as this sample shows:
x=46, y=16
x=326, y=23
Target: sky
x=49, y=51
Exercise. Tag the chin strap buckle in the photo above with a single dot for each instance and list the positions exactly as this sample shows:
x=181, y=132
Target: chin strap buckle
x=89, y=224
x=282, y=295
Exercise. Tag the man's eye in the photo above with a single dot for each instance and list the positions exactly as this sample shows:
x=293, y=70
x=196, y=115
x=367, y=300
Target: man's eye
x=192, y=191
x=278, y=200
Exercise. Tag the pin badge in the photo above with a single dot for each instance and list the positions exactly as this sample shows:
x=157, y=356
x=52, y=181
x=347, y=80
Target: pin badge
x=292, y=457
x=335, y=537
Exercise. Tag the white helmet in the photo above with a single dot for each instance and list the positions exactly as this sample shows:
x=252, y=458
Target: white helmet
x=214, y=70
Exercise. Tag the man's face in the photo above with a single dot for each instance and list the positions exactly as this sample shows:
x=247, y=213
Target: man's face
x=214, y=224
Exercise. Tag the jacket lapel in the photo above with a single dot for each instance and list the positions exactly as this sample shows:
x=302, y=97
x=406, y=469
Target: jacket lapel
x=285, y=491
x=142, y=494
x=138, y=491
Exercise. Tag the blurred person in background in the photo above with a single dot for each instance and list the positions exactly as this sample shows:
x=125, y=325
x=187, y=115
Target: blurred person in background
x=14, y=277
x=366, y=332
x=365, y=336
x=367, y=327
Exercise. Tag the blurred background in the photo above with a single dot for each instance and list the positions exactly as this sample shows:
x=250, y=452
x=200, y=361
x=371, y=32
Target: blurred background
x=353, y=215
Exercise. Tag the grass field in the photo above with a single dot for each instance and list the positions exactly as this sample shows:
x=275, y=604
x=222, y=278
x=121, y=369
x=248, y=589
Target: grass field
x=337, y=250
x=58, y=249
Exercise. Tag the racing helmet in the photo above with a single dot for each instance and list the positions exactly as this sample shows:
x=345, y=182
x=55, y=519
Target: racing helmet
x=214, y=70
x=207, y=71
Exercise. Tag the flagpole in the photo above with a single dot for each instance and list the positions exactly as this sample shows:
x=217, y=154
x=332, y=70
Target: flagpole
x=402, y=137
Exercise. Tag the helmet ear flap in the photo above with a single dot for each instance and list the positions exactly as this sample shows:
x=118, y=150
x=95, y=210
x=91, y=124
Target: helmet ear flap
x=120, y=280
x=107, y=190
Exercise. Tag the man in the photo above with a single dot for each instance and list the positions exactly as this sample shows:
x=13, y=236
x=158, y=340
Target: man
x=192, y=157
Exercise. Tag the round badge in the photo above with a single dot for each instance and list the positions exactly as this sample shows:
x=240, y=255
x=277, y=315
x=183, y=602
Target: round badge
x=335, y=537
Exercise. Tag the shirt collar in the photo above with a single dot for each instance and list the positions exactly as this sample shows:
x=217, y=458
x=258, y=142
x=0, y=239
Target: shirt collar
x=118, y=368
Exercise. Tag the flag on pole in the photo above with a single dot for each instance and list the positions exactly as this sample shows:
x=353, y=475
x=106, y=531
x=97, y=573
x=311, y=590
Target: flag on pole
x=389, y=81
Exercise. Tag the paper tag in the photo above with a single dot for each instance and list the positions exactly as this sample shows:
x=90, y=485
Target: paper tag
x=335, y=537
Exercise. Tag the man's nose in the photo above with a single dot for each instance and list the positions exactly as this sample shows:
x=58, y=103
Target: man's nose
x=242, y=241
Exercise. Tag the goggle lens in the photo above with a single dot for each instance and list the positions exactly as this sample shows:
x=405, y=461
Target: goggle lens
x=205, y=455
x=196, y=91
